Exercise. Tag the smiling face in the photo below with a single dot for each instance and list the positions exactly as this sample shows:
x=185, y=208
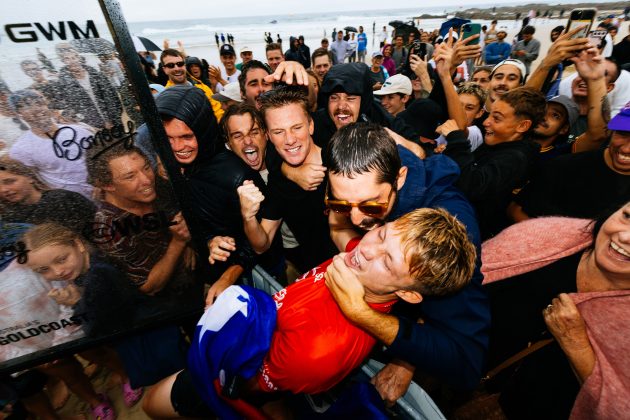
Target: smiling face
x=290, y=129
x=379, y=261
x=183, y=141
x=387, y=51
x=394, y=103
x=228, y=61
x=59, y=262
x=177, y=74
x=17, y=189
x=618, y=153
x=195, y=70
x=502, y=125
x=612, y=246
x=133, y=179
x=255, y=85
x=506, y=77
x=247, y=140
x=344, y=109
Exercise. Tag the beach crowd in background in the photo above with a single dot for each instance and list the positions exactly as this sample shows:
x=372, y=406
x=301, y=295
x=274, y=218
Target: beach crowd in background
x=452, y=202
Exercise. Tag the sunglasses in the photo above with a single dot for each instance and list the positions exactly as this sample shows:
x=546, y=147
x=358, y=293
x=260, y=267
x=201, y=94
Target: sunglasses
x=173, y=65
x=369, y=207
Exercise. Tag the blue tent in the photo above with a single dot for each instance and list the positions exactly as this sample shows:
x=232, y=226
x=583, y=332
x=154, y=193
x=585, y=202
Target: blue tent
x=452, y=23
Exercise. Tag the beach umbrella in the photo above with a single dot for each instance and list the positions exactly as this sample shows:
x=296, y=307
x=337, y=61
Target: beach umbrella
x=452, y=23
x=350, y=29
x=144, y=44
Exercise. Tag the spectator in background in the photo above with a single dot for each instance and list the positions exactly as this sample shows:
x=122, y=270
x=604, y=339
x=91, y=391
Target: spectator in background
x=399, y=53
x=252, y=82
x=293, y=53
x=305, y=53
x=378, y=73
x=527, y=49
x=361, y=45
x=274, y=54
x=340, y=49
x=481, y=76
x=621, y=52
x=247, y=54
x=353, y=49
x=497, y=50
x=322, y=62
x=174, y=66
x=382, y=37
x=388, y=61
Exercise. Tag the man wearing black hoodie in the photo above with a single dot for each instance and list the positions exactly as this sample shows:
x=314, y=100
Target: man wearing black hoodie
x=213, y=174
x=293, y=53
x=346, y=97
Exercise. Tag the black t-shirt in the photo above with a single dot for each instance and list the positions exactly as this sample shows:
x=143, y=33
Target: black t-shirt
x=576, y=185
x=303, y=211
x=68, y=208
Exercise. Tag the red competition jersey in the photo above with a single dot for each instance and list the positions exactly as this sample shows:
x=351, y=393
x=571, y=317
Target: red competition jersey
x=314, y=346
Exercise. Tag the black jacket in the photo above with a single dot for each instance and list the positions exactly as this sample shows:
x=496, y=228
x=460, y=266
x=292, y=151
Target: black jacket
x=490, y=174
x=293, y=53
x=215, y=174
x=351, y=78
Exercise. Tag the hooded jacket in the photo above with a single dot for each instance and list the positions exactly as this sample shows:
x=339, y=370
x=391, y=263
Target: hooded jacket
x=350, y=78
x=293, y=53
x=190, y=61
x=214, y=175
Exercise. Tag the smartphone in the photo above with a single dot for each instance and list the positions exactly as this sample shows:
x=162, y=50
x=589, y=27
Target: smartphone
x=471, y=29
x=597, y=38
x=581, y=17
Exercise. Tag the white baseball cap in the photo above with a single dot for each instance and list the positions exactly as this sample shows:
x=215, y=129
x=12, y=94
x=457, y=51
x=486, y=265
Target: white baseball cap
x=246, y=49
x=231, y=92
x=396, y=84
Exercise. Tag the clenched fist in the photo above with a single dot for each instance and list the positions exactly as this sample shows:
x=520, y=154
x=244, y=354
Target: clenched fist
x=250, y=197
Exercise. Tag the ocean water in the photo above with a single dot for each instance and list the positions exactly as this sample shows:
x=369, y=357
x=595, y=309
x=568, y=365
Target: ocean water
x=197, y=35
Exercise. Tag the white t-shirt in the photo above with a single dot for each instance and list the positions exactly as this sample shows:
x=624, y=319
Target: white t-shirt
x=230, y=79
x=68, y=171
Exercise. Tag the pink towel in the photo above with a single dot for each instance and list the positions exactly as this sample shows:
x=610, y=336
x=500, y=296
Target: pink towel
x=606, y=392
x=532, y=244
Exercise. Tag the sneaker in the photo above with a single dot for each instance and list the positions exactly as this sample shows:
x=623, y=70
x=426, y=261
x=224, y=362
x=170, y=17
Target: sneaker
x=131, y=396
x=104, y=411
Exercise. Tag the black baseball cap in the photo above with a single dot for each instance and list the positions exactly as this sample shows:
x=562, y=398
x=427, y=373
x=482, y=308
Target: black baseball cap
x=227, y=49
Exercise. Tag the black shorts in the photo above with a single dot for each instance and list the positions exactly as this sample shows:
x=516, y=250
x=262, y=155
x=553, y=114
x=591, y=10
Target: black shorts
x=186, y=400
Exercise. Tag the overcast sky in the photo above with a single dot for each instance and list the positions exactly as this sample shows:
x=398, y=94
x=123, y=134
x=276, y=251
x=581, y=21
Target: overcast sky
x=139, y=10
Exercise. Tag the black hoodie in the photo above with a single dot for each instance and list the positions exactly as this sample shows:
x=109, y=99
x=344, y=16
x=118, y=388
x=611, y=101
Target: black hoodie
x=204, y=69
x=214, y=175
x=293, y=53
x=350, y=78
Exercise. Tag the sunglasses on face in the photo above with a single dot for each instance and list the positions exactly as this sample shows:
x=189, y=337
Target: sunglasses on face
x=369, y=207
x=173, y=65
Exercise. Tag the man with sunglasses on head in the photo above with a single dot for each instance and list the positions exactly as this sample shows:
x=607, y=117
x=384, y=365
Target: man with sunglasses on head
x=174, y=64
x=373, y=181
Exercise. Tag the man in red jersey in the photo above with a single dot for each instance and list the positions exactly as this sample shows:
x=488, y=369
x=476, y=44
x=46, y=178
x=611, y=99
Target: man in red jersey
x=426, y=252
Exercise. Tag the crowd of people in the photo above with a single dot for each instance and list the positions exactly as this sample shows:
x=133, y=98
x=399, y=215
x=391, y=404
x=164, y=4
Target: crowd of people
x=455, y=206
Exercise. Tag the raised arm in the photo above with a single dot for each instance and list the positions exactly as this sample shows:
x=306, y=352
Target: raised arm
x=590, y=66
x=260, y=234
